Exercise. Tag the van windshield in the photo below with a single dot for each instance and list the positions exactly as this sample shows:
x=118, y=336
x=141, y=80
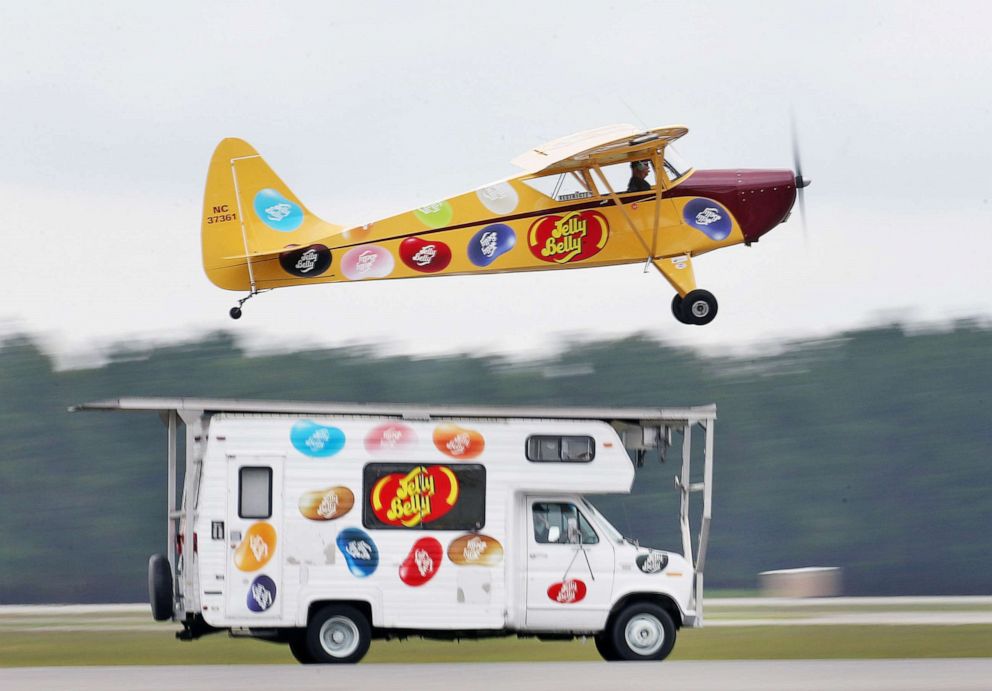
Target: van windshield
x=612, y=532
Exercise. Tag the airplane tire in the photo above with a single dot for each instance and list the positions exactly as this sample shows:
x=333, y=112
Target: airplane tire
x=642, y=631
x=699, y=307
x=338, y=634
x=677, y=308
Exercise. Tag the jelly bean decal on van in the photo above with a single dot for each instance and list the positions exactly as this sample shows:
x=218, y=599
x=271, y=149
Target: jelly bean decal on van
x=389, y=438
x=261, y=594
x=568, y=591
x=422, y=495
x=422, y=563
x=256, y=548
x=326, y=504
x=359, y=550
x=475, y=549
x=458, y=442
x=318, y=441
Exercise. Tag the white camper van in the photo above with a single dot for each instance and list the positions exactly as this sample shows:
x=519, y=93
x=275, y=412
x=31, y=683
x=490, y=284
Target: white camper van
x=326, y=525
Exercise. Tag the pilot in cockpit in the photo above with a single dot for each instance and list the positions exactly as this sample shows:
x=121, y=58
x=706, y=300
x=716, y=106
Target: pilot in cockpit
x=638, y=176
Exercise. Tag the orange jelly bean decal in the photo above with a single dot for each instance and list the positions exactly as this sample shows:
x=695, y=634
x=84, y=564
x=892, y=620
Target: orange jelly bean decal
x=475, y=549
x=458, y=442
x=326, y=504
x=257, y=547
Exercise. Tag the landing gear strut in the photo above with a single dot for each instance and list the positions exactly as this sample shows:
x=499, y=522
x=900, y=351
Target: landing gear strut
x=697, y=307
x=236, y=311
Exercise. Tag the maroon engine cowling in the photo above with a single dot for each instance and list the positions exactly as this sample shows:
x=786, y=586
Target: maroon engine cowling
x=758, y=199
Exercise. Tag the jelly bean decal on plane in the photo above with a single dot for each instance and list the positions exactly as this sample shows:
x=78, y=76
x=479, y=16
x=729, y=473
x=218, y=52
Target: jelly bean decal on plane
x=458, y=442
x=256, y=548
x=490, y=243
x=570, y=238
x=276, y=211
x=567, y=592
x=261, y=594
x=326, y=504
x=500, y=198
x=475, y=549
x=708, y=216
x=392, y=437
x=422, y=563
x=423, y=495
x=367, y=261
x=426, y=256
x=318, y=441
x=359, y=550
x=306, y=262
x=435, y=215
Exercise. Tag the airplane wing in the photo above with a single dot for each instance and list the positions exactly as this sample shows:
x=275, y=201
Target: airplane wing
x=603, y=146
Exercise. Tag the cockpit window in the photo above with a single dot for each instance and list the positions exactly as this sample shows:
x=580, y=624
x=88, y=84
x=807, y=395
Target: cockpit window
x=562, y=188
x=675, y=165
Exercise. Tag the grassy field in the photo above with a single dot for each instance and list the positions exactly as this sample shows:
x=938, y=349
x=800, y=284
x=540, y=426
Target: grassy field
x=96, y=647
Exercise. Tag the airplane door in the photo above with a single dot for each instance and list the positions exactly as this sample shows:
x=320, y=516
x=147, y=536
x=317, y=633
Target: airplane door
x=569, y=568
x=254, y=538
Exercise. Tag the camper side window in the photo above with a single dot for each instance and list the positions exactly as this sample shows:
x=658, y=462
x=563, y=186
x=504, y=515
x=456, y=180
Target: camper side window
x=255, y=492
x=544, y=449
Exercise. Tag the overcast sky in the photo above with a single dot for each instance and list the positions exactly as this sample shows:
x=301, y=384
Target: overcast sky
x=112, y=110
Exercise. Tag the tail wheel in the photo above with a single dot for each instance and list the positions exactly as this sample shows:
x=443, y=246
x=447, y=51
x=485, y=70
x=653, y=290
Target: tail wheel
x=698, y=307
x=338, y=634
x=642, y=631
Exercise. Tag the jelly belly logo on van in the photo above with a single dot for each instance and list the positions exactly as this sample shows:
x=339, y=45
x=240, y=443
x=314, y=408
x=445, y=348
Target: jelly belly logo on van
x=359, y=550
x=568, y=591
x=257, y=547
x=458, y=442
x=571, y=238
x=276, y=211
x=423, y=495
x=261, y=594
x=391, y=437
x=319, y=441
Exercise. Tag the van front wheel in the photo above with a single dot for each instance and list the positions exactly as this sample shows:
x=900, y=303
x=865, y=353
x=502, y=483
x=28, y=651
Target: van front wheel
x=642, y=631
x=338, y=634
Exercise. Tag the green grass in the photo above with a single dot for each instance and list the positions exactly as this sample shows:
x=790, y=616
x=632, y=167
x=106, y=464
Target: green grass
x=20, y=649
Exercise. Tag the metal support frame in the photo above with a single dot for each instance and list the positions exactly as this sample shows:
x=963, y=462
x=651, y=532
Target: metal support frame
x=684, y=484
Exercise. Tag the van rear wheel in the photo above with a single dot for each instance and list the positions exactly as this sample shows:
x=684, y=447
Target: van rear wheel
x=642, y=631
x=338, y=634
x=605, y=647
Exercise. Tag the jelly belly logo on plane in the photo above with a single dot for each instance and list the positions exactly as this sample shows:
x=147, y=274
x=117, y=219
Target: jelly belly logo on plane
x=276, y=211
x=567, y=592
x=319, y=441
x=425, y=256
x=423, y=495
x=306, y=262
x=458, y=442
x=571, y=238
x=708, y=216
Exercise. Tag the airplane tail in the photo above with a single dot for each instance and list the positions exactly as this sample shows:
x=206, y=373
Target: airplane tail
x=249, y=214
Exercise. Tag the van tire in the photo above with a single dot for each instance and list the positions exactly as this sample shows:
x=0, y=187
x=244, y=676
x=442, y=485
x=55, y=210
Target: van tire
x=160, y=587
x=338, y=634
x=298, y=647
x=642, y=631
x=605, y=647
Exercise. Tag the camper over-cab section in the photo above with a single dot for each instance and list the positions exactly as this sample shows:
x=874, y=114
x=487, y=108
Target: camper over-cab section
x=327, y=525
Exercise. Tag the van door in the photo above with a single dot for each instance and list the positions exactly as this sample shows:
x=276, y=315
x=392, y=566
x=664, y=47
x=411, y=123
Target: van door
x=254, y=538
x=569, y=568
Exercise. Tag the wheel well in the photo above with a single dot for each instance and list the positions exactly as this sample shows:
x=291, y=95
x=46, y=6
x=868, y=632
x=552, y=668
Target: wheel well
x=663, y=601
x=364, y=607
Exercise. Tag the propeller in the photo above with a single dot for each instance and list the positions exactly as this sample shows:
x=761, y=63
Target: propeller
x=801, y=182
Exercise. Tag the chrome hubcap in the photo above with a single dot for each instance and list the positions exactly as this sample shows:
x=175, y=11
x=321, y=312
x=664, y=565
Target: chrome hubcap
x=339, y=636
x=644, y=634
x=700, y=308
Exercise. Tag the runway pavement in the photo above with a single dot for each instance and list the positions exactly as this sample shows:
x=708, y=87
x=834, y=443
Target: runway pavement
x=749, y=675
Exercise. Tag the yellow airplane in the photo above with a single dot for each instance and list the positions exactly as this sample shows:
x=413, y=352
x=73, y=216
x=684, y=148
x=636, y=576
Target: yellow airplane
x=570, y=208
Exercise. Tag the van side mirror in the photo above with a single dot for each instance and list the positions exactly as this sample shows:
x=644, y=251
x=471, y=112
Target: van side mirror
x=554, y=533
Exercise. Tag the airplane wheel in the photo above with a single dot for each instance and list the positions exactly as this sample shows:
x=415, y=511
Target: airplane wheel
x=235, y=313
x=677, y=308
x=698, y=307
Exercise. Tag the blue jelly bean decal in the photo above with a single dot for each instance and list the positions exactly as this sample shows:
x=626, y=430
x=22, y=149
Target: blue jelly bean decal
x=359, y=551
x=276, y=211
x=708, y=216
x=261, y=594
x=491, y=242
x=315, y=440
